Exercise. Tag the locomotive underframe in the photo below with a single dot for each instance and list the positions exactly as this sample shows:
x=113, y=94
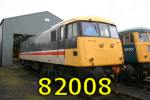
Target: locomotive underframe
x=56, y=70
x=139, y=71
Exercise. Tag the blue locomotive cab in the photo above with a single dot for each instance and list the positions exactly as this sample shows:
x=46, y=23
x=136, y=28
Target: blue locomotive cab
x=129, y=49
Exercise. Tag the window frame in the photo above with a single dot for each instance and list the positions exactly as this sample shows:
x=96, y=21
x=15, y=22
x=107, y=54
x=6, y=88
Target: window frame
x=66, y=30
x=110, y=31
x=143, y=33
x=99, y=30
x=130, y=35
x=81, y=29
x=107, y=28
x=76, y=30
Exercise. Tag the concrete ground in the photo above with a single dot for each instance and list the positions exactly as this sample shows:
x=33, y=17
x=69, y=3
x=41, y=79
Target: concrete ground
x=18, y=83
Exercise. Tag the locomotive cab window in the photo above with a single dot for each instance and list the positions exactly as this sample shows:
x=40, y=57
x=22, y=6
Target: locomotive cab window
x=128, y=38
x=60, y=33
x=131, y=38
x=74, y=28
x=104, y=30
x=97, y=29
x=144, y=37
x=89, y=29
x=113, y=31
x=71, y=30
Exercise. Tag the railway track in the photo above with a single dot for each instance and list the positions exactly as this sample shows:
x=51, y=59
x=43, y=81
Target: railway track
x=128, y=92
x=147, y=84
x=125, y=92
x=135, y=91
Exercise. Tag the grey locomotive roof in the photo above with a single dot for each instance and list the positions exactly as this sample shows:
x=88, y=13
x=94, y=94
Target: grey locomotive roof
x=136, y=29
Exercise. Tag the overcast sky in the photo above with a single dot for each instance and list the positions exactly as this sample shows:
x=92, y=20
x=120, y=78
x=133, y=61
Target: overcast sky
x=124, y=13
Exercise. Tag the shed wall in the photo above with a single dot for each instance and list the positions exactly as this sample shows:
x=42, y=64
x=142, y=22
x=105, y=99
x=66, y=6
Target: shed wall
x=1, y=43
x=29, y=25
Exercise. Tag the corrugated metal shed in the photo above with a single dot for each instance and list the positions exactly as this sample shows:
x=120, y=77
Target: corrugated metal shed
x=24, y=26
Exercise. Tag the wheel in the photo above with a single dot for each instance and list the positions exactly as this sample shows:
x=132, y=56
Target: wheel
x=126, y=73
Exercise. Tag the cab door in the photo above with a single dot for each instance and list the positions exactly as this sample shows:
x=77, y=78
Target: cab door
x=53, y=47
x=129, y=49
x=60, y=45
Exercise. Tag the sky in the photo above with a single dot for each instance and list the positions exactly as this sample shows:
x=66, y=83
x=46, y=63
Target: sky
x=124, y=13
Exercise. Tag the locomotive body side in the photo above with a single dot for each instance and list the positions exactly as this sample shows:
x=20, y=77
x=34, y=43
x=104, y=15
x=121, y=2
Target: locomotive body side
x=79, y=51
x=83, y=45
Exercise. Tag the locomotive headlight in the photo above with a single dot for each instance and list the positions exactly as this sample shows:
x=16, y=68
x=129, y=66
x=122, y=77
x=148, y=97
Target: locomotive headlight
x=145, y=56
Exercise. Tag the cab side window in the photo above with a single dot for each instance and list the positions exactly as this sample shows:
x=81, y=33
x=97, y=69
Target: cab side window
x=128, y=38
x=131, y=38
x=61, y=33
x=125, y=38
x=71, y=30
x=74, y=28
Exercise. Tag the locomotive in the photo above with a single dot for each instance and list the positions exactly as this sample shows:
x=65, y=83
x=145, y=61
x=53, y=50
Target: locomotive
x=81, y=47
x=136, y=48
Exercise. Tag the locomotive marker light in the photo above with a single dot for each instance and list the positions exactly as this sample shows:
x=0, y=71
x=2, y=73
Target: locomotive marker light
x=112, y=45
x=145, y=56
x=91, y=59
x=101, y=45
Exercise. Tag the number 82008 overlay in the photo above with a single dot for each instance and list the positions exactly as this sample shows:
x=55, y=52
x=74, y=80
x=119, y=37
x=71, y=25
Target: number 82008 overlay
x=102, y=86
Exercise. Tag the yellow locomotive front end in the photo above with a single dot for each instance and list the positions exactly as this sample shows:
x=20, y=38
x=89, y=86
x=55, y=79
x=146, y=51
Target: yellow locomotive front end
x=98, y=44
x=100, y=51
x=142, y=44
